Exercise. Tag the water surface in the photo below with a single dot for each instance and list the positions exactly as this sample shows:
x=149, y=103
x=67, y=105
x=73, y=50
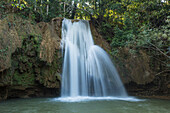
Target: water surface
x=58, y=105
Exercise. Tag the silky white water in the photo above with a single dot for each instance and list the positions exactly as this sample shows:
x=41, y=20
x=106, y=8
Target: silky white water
x=87, y=69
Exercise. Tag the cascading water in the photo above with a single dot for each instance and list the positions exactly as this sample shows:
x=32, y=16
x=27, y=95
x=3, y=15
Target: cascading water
x=87, y=69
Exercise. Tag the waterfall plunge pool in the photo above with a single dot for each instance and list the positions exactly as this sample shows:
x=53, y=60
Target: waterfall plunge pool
x=85, y=105
x=87, y=71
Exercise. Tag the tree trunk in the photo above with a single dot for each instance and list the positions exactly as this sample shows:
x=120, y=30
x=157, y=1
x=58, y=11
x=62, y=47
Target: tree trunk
x=64, y=9
x=74, y=10
x=41, y=7
x=47, y=6
x=35, y=5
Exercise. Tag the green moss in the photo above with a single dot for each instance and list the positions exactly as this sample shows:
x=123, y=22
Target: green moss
x=23, y=58
x=27, y=60
x=24, y=79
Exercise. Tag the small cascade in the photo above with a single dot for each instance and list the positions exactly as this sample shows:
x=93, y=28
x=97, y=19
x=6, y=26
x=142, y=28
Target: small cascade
x=87, y=69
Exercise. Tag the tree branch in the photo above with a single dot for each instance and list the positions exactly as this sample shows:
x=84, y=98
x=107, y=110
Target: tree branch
x=159, y=50
x=162, y=72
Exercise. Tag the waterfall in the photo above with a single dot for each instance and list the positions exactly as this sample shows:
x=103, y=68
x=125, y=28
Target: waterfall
x=87, y=69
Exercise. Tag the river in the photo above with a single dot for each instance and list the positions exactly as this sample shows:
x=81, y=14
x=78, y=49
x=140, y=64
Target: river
x=57, y=105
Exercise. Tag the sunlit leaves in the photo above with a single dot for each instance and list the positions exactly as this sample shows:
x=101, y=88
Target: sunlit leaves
x=20, y=4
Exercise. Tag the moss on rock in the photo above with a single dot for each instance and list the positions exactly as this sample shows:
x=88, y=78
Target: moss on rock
x=22, y=64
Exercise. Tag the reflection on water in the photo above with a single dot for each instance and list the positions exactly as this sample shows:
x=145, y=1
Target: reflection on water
x=53, y=105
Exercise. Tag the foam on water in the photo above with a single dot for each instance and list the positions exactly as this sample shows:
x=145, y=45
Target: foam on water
x=89, y=98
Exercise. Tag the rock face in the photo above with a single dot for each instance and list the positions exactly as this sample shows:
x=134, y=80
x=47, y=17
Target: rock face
x=143, y=75
x=135, y=66
x=30, y=58
x=9, y=41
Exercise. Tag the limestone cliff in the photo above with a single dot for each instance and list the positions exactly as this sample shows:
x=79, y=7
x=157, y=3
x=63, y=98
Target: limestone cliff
x=30, y=60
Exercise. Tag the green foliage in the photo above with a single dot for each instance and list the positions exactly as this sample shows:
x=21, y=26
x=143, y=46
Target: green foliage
x=158, y=36
x=123, y=36
x=107, y=31
x=128, y=20
x=112, y=10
